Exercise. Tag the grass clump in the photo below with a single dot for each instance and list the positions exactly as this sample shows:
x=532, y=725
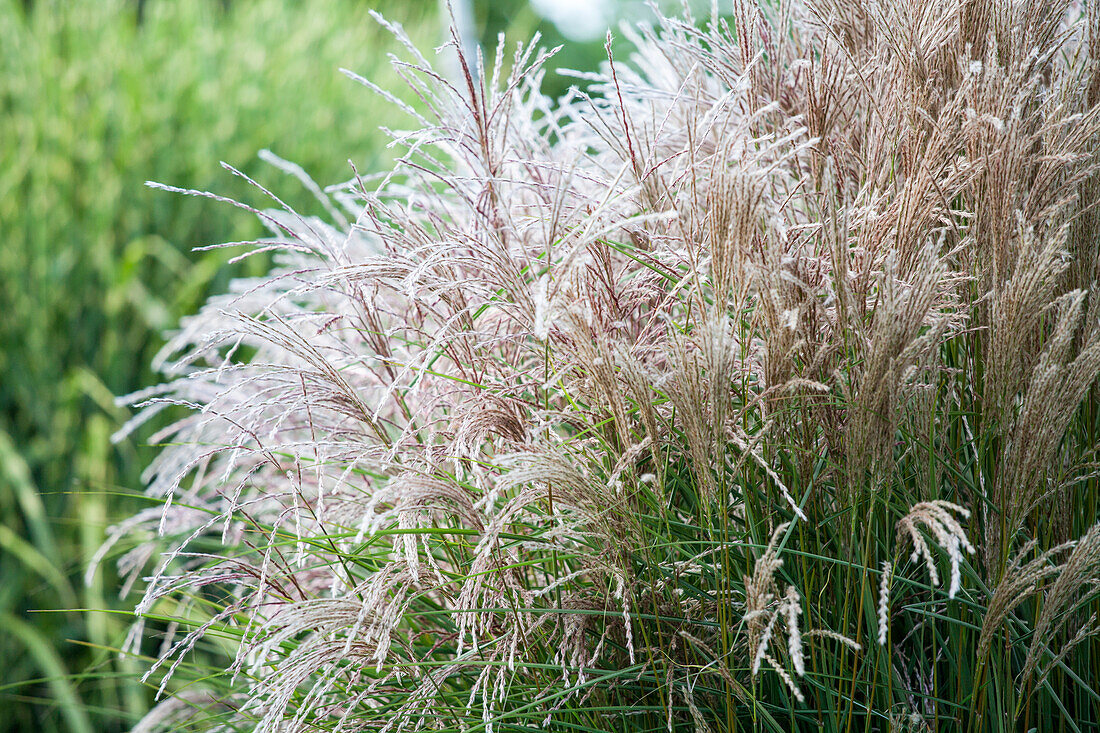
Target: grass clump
x=754, y=390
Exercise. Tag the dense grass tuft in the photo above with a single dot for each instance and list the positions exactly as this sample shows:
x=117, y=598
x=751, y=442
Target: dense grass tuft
x=757, y=391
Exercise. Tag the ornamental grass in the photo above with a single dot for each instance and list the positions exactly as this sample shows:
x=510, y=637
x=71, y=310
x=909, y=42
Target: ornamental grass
x=750, y=386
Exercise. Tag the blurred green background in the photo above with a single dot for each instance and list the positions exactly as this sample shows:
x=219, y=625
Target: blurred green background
x=96, y=97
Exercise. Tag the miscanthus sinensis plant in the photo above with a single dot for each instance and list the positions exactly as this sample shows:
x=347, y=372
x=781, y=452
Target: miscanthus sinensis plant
x=753, y=389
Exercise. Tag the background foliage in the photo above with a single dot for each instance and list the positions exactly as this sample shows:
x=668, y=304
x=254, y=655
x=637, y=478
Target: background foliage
x=94, y=266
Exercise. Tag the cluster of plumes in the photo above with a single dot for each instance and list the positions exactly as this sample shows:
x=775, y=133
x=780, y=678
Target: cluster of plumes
x=732, y=271
x=936, y=517
x=764, y=609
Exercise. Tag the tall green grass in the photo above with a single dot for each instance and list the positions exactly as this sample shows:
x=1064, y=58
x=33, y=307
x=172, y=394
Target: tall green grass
x=94, y=266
